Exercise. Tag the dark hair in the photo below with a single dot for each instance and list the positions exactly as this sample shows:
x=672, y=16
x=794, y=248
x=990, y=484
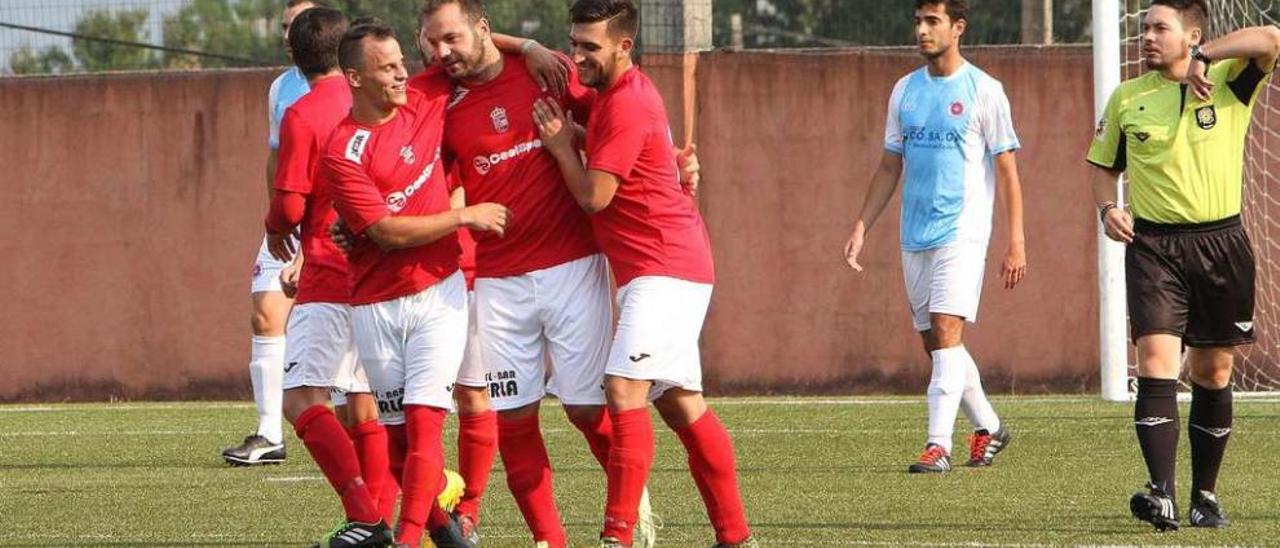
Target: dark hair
x=957, y=10
x=314, y=37
x=622, y=15
x=1194, y=13
x=473, y=9
x=351, y=50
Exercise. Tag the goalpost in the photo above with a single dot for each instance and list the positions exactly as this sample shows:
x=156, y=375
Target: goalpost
x=1116, y=31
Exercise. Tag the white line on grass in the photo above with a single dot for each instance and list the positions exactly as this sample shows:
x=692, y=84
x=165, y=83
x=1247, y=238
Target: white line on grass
x=115, y=433
x=290, y=479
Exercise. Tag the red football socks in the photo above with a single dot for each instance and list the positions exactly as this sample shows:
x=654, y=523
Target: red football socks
x=529, y=477
x=630, y=458
x=711, y=462
x=333, y=452
x=423, y=473
x=477, y=444
x=370, y=440
x=599, y=433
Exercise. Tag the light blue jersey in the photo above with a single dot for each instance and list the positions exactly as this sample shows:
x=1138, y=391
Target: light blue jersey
x=948, y=130
x=287, y=88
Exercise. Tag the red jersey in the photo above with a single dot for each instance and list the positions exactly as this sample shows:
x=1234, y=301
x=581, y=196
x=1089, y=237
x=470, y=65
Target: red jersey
x=393, y=169
x=467, y=260
x=491, y=137
x=652, y=227
x=304, y=134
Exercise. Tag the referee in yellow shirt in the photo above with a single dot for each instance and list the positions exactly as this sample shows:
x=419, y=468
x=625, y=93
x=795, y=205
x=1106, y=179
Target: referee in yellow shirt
x=1178, y=133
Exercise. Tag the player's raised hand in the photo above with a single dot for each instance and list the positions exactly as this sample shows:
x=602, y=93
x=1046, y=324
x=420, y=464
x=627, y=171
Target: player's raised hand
x=553, y=125
x=853, y=247
x=1014, y=267
x=342, y=236
x=549, y=71
x=1198, y=79
x=690, y=168
x=486, y=217
x=281, y=246
x=1119, y=225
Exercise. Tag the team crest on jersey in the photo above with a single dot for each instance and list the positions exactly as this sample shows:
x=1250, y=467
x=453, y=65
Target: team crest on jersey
x=957, y=109
x=406, y=154
x=499, y=118
x=483, y=165
x=1206, y=117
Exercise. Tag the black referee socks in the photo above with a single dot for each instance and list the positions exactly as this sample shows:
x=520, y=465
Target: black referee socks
x=1155, y=418
x=1209, y=428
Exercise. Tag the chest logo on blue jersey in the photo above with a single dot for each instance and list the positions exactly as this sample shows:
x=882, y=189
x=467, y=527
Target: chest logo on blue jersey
x=499, y=118
x=957, y=109
x=1206, y=117
x=406, y=154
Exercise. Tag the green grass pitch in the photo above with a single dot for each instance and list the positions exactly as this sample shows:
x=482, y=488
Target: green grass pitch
x=813, y=471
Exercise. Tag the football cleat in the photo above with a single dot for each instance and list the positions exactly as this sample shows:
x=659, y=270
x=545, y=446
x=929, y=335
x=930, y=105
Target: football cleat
x=255, y=450
x=933, y=460
x=450, y=536
x=470, y=530
x=610, y=542
x=647, y=523
x=358, y=535
x=983, y=448
x=1206, y=511
x=1156, y=508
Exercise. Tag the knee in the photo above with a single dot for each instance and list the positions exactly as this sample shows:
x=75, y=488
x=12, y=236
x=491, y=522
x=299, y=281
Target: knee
x=471, y=400
x=298, y=400
x=1213, y=371
x=944, y=332
x=584, y=416
x=265, y=324
x=625, y=394
x=519, y=413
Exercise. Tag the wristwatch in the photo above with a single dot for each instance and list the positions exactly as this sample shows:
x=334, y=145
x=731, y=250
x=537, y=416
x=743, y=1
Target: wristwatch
x=1199, y=55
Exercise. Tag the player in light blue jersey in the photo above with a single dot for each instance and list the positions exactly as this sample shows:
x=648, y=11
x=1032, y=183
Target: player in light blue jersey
x=949, y=136
x=270, y=303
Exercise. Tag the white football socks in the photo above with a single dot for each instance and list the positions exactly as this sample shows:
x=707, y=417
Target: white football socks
x=946, y=387
x=975, y=404
x=266, y=369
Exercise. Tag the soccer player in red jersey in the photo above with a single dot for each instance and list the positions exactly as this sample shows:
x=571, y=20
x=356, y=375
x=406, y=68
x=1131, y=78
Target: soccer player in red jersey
x=320, y=351
x=409, y=314
x=543, y=285
x=660, y=254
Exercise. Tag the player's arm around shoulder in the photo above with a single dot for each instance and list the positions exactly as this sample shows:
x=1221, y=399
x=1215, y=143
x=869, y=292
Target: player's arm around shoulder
x=593, y=189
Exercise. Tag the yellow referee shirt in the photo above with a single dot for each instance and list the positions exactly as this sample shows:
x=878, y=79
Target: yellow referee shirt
x=1183, y=157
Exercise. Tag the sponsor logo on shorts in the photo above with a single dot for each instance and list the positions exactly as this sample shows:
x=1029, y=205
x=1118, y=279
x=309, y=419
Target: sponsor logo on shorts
x=638, y=357
x=391, y=401
x=502, y=384
x=484, y=164
x=290, y=367
x=257, y=270
x=1244, y=326
x=355, y=147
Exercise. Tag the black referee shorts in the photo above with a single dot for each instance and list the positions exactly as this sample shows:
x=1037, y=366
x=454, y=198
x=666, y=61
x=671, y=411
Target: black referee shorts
x=1191, y=280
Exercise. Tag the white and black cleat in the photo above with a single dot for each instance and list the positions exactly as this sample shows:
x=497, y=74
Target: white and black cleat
x=1155, y=507
x=254, y=451
x=1206, y=511
x=934, y=460
x=354, y=534
x=983, y=448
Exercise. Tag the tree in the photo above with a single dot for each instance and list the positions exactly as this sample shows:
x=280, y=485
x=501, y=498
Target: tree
x=247, y=29
x=123, y=25
x=51, y=60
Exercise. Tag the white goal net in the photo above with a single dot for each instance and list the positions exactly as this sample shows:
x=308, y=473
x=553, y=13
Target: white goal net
x=1259, y=371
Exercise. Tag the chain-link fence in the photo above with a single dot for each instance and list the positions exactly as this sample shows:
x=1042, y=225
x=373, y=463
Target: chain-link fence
x=59, y=36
